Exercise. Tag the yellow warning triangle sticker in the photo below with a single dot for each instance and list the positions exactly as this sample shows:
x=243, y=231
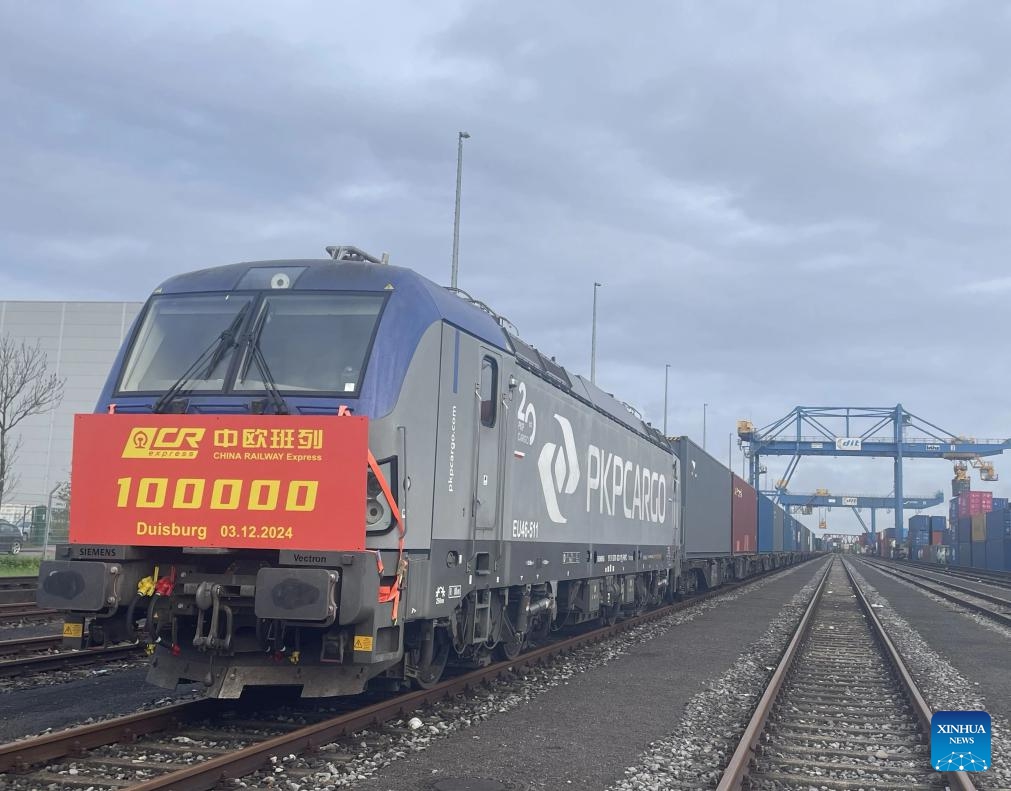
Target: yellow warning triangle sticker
x=388, y=287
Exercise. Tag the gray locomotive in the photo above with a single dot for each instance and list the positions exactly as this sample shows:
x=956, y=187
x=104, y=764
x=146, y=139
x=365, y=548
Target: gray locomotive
x=508, y=497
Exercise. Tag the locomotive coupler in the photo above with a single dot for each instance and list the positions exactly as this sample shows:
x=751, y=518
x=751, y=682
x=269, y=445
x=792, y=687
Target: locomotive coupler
x=208, y=597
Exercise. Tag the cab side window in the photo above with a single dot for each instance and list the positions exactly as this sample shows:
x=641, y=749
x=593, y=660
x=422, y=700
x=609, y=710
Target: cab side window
x=487, y=390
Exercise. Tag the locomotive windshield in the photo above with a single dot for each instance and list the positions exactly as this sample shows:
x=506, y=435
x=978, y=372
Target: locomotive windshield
x=174, y=332
x=311, y=342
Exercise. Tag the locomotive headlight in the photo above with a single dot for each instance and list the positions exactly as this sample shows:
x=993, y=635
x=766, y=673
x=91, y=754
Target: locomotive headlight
x=378, y=509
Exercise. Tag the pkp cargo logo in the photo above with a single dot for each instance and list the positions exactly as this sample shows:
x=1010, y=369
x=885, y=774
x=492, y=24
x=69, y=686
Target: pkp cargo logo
x=163, y=443
x=960, y=741
x=559, y=470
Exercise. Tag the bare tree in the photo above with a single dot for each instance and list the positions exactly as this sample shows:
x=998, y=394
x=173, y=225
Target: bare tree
x=26, y=388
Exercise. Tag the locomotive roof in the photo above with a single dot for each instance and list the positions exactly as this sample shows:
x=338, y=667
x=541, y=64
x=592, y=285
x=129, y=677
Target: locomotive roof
x=420, y=298
x=416, y=303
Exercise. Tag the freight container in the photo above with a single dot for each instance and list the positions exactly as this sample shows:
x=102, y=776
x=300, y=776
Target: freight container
x=972, y=503
x=964, y=557
x=919, y=522
x=743, y=516
x=953, y=511
x=978, y=528
x=789, y=533
x=964, y=531
x=996, y=555
x=937, y=538
x=1000, y=503
x=938, y=524
x=765, y=519
x=778, y=519
x=995, y=527
x=705, y=507
x=979, y=554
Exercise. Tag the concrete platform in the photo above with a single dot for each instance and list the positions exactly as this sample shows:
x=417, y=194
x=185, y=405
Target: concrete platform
x=583, y=735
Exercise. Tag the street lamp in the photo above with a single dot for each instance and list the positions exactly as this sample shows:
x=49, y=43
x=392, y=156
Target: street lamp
x=666, y=372
x=704, y=407
x=456, y=217
x=593, y=338
x=49, y=520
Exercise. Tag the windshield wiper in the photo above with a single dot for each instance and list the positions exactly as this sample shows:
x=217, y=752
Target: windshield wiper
x=210, y=357
x=255, y=354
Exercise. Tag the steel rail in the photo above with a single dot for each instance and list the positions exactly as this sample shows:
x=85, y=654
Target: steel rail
x=24, y=610
x=737, y=769
x=1000, y=579
x=62, y=659
x=27, y=582
x=8, y=647
x=922, y=582
x=23, y=754
x=958, y=781
x=740, y=761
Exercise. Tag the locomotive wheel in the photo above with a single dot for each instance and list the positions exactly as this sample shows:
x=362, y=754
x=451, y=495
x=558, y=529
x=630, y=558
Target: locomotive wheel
x=510, y=649
x=609, y=615
x=430, y=675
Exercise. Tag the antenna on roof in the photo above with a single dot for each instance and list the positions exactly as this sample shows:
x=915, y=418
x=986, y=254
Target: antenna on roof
x=346, y=252
x=503, y=322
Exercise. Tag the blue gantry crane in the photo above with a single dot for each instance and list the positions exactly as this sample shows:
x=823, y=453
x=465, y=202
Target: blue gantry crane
x=890, y=432
x=823, y=499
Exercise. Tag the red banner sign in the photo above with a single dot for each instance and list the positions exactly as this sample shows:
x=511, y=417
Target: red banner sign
x=261, y=481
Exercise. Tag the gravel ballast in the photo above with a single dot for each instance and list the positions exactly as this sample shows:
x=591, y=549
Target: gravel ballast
x=92, y=694
x=577, y=723
x=958, y=662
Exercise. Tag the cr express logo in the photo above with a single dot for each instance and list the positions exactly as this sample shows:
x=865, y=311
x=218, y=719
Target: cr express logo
x=163, y=443
x=559, y=470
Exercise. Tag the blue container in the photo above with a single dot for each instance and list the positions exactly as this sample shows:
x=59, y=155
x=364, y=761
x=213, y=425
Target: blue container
x=964, y=555
x=996, y=555
x=938, y=524
x=995, y=527
x=979, y=554
x=963, y=533
x=1000, y=503
x=919, y=522
x=765, y=508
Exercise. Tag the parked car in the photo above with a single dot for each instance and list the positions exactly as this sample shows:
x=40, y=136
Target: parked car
x=11, y=538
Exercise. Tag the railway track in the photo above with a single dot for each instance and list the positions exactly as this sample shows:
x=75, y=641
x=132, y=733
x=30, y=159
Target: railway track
x=25, y=611
x=841, y=711
x=161, y=754
x=18, y=590
x=996, y=608
x=29, y=662
x=1000, y=579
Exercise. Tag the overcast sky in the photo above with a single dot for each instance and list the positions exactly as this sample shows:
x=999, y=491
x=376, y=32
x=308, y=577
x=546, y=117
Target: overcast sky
x=790, y=203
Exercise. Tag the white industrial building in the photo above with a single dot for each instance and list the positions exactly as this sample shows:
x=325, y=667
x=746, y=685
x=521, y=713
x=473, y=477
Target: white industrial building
x=81, y=340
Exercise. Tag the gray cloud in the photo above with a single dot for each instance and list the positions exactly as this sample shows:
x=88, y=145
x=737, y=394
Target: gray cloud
x=789, y=203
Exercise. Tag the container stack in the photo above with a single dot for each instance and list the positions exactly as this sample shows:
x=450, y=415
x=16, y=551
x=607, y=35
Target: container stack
x=918, y=536
x=982, y=531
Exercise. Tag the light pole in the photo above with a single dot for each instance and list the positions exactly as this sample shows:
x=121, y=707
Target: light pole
x=49, y=521
x=704, y=407
x=666, y=372
x=456, y=216
x=593, y=337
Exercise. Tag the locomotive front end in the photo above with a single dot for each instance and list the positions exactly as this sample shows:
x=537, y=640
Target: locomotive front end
x=221, y=498
x=233, y=546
